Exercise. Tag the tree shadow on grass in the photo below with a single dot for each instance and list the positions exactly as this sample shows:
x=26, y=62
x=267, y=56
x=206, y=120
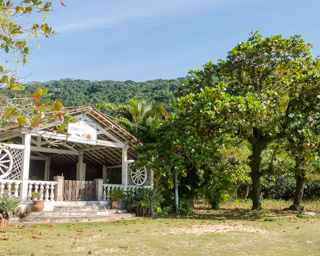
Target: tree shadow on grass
x=238, y=213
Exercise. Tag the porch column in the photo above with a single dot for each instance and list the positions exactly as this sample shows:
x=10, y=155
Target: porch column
x=47, y=169
x=99, y=189
x=104, y=174
x=81, y=169
x=125, y=165
x=26, y=141
x=58, y=192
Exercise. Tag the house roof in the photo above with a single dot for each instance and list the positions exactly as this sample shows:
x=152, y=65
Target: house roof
x=107, y=131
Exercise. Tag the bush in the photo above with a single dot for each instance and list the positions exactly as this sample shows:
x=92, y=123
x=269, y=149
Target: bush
x=278, y=187
x=283, y=187
x=186, y=207
x=312, y=190
x=144, y=201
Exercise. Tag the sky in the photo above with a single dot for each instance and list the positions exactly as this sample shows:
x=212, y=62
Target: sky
x=142, y=40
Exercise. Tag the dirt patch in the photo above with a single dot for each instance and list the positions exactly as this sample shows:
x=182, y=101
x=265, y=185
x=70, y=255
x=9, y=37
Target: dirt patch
x=197, y=229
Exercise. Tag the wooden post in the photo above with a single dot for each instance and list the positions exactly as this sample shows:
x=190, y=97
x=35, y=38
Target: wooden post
x=47, y=170
x=58, y=192
x=125, y=165
x=81, y=169
x=26, y=141
x=104, y=174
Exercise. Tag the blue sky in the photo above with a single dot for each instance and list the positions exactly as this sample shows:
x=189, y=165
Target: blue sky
x=142, y=40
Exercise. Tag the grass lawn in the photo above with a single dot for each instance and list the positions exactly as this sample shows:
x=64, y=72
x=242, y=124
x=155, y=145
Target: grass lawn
x=233, y=230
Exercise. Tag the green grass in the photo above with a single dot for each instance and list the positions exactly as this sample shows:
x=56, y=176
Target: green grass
x=233, y=230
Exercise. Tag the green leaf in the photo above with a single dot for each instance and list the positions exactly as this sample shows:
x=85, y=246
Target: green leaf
x=18, y=88
x=39, y=91
x=47, y=5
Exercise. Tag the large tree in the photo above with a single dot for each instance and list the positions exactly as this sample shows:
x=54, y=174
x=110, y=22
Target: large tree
x=256, y=93
x=303, y=143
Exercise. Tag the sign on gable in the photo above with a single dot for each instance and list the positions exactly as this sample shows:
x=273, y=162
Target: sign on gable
x=84, y=132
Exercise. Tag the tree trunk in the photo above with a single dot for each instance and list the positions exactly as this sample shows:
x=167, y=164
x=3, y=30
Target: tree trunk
x=255, y=174
x=256, y=187
x=298, y=196
x=176, y=193
x=246, y=191
x=299, y=190
x=214, y=205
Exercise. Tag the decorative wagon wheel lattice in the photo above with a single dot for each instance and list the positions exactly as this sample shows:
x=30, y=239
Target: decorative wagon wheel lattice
x=139, y=176
x=6, y=163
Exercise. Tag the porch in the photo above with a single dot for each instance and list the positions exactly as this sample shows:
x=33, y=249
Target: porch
x=87, y=163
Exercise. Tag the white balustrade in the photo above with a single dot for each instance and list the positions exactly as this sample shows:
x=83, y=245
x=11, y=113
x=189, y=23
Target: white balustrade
x=107, y=188
x=44, y=188
x=10, y=187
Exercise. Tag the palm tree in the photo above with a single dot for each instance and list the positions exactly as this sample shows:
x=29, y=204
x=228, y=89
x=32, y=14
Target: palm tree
x=138, y=114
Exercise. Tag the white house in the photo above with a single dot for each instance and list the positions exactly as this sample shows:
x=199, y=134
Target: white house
x=85, y=165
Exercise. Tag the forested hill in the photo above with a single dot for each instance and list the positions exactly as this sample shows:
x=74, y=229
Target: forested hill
x=75, y=92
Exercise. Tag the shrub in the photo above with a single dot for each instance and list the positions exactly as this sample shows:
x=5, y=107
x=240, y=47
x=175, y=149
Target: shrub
x=144, y=201
x=8, y=205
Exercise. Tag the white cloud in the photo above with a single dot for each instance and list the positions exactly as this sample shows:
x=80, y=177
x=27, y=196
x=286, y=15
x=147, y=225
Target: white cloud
x=108, y=14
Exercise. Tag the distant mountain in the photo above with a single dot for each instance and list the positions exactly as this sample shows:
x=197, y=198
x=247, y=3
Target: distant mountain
x=75, y=92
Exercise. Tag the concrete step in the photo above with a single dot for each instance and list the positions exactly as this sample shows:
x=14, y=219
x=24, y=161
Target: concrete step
x=70, y=213
x=69, y=208
x=80, y=203
x=45, y=219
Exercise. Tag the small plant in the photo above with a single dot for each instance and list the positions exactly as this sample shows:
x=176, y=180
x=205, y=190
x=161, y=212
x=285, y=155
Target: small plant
x=116, y=194
x=36, y=195
x=8, y=205
x=317, y=205
x=23, y=214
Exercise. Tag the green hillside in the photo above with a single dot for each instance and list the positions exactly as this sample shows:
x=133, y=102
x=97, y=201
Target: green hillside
x=76, y=92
